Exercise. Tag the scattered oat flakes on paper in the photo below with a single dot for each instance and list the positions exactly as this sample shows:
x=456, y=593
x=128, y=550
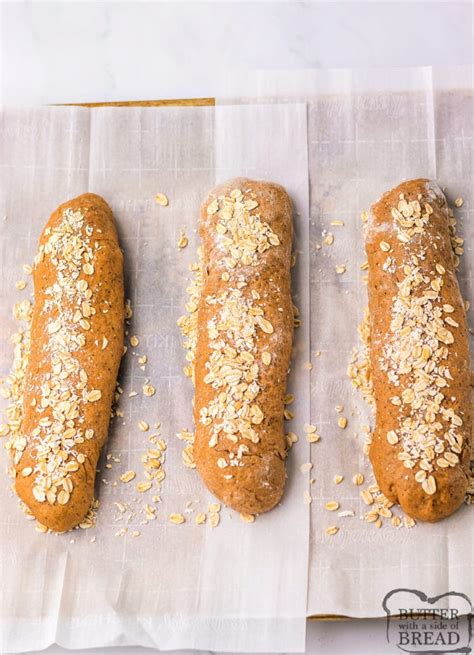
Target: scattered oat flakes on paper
x=162, y=199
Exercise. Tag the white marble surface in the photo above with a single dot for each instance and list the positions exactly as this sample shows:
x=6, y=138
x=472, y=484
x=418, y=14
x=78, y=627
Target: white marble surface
x=96, y=51
x=53, y=52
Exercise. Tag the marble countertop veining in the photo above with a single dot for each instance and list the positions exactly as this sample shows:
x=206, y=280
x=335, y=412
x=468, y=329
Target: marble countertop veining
x=61, y=51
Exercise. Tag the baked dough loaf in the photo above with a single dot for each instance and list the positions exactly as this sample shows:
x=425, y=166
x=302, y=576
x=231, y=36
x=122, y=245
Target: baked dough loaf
x=75, y=352
x=244, y=337
x=419, y=353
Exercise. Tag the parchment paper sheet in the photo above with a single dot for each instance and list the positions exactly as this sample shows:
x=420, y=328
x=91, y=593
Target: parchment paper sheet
x=367, y=131
x=238, y=587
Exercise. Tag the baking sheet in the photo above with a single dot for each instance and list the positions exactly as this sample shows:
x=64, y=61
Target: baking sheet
x=367, y=131
x=237, y=587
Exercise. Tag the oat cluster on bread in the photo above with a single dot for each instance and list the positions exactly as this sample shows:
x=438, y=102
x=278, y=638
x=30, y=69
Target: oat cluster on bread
x=420, y=366
x=242, y=343
x=71, y=367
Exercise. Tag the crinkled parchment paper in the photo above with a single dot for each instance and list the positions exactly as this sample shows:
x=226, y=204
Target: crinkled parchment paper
x=237, y=587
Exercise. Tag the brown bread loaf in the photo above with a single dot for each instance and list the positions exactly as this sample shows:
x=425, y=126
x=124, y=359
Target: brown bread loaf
x=76, y=346
x=419, y=353
x=244, y=336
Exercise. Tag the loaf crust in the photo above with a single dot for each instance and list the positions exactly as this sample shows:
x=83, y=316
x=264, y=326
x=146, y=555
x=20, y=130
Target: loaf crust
x=75, y=352
x=419, y=353
x=244, y=337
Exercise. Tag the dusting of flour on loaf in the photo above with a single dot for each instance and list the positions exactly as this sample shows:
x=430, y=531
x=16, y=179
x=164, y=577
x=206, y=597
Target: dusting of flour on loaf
x=70, y=368
x=227, y=314
x=70, y=249
x=421, y=432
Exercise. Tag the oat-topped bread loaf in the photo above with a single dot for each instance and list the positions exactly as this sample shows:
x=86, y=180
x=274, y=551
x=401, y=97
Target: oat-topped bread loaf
x=245, y=328
x=419, y=353
x=76, y=346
